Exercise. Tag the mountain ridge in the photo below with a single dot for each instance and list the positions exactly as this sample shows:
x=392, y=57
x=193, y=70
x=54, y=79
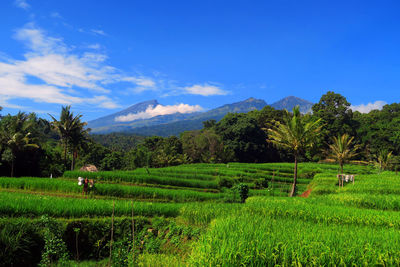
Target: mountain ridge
x=290, y=102
x=173, y=124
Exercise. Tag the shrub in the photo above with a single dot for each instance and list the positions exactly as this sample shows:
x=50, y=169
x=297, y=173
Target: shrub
x=261, y=183
x=243, y=190
x=225, y=182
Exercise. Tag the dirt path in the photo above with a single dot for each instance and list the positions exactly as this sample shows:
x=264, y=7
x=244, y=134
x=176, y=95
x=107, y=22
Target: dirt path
x=306, y=193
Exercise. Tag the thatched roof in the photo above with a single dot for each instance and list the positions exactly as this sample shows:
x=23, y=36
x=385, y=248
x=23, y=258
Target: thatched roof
x=89, y=168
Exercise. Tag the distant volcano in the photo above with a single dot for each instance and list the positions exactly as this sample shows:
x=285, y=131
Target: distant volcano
x=173, y=123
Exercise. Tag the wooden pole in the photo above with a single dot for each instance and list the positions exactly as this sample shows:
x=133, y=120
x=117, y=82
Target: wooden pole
x=272, y=182
x=112, y=233
x=133, y=237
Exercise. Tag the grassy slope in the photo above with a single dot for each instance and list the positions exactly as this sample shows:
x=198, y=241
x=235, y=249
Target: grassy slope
x=264, y=231
x=358, y=224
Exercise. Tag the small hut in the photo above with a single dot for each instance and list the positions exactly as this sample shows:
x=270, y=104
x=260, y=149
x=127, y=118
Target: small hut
x=89, y=168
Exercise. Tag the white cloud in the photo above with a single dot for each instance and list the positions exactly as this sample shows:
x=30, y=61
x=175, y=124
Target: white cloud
x=94, y=46
x=204, y=90
x=140, y=81
x=36, y=41
x=158, y=110
x=22, y=4
x=103, y=101
x=56, y=15
x=368, y=107
x=60, y=76
x=99, y=32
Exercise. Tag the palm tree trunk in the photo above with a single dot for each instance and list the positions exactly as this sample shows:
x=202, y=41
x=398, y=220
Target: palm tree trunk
x=294, y=178
x=341, y=174
x=74, y=156
x=12, y=167
x=73, y=161
x=65, y=155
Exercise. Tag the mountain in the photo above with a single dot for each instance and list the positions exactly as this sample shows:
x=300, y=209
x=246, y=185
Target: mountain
x=238, y=107
x=175, y=123
x=110, y=119
x=195, y=122
x=291, y=101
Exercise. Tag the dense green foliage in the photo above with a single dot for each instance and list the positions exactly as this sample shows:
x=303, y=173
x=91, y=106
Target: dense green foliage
x=349, y=225
x=198, y=174
x=32, y=145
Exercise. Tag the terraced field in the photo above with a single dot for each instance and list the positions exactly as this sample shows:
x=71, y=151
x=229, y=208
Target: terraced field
x=183, y=217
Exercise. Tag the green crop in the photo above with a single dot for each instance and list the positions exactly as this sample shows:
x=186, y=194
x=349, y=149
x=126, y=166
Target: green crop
x=20, y=204
x=110, y=190
x=248, y=240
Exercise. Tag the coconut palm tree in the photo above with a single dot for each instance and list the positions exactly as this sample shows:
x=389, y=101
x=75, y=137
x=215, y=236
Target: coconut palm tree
x=296, y=134
x=16, y=136
x=342, y=150
x=18, y=142
x=67, y=127
x=78, y=138
x=384, y=159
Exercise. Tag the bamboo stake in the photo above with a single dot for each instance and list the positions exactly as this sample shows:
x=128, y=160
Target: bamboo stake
x=112, y=233
x=133, y=237
x=272, y=182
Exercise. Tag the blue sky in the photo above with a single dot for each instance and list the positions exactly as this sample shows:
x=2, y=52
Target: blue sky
x=102, y=56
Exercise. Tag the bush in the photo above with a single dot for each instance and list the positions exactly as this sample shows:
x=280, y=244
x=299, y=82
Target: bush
x=261, y=183
x=55, y=249
x=20, y=243
x=225, y=182
x=243, y=190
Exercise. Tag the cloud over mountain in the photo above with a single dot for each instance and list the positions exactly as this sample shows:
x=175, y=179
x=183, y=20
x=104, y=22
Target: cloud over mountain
x=368, y=107
x=153, y=111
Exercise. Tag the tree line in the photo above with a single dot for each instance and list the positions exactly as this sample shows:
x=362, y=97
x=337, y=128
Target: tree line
x=33, y=146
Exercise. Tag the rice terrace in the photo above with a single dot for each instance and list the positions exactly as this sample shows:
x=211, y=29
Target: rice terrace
x=199, y=133
x=186, y=221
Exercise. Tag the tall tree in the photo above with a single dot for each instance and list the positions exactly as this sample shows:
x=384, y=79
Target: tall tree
x=296, y=134
x=78, y=139
x=241, y=134
x=68, y=127
x=335, y=112
x=342, y=150
x=379, y=130
x=16, y=136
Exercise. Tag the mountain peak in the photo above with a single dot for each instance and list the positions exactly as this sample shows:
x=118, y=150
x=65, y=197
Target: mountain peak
x=139, y=107
x=110, y=119
x=250, y=99
x=290, y=102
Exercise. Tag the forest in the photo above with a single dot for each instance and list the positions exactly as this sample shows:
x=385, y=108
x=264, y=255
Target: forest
x=33, y=146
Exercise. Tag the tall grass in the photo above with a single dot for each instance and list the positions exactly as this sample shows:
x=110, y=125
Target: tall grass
x=141, y=178
x=314, y=210
x=19, y=204
x=248, y=240
x=111, y=190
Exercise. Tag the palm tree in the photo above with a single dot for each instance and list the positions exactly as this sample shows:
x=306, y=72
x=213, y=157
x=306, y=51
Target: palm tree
x=384, y=159
x=78, y=139
x=341, y=150
x=16, y=135
x=296, y=134
x=17, y=143
x=67, y=127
